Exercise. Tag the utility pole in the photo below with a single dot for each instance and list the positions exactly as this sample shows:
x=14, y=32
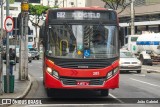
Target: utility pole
x=1, y=46
x=48, y=3
x=7, y=50
x=16, y=38
x=63, y=3
x=23, y=65
x=132, y=18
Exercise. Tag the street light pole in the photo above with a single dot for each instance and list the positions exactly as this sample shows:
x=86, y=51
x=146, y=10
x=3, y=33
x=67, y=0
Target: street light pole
x=132, y=18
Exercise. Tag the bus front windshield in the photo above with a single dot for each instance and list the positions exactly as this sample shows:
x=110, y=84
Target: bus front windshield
x=83, y=41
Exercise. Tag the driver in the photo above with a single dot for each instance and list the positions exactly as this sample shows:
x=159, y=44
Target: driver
x=99, y=39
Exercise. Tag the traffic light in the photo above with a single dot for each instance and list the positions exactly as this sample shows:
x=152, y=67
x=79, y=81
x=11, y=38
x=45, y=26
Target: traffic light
x=15, y=26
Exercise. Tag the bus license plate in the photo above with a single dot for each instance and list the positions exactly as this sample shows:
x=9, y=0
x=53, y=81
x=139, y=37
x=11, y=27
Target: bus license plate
x=82, y=83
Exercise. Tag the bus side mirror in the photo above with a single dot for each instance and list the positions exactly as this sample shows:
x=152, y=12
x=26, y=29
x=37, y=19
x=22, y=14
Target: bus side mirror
x=121, y=38
x=42, y=32
x=42, y=35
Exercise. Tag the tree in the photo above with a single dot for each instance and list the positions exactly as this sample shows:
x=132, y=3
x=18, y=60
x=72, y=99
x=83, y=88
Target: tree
x=117, y=4
x=37, y=13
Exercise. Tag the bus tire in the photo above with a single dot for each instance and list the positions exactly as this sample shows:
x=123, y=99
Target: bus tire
x=49, y=92
x=105, y=92
x=142, y=60
x=139, y=71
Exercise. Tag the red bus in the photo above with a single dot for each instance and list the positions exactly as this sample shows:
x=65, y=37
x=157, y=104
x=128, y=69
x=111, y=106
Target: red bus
x=81, y=49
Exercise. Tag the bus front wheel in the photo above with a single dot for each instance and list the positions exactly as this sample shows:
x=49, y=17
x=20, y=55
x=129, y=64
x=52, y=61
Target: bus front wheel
x=105, y=92
x=49, y=92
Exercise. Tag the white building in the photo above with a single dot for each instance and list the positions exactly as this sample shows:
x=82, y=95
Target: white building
x=64, y=3
x=14, y=10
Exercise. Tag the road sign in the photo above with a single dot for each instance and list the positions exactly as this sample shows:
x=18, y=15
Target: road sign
x=24, y=7
x=9, y=24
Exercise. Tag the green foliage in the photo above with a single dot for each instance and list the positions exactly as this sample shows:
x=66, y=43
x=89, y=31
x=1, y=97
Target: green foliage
x=37, y=12
x=116, y=4
x=37, y=9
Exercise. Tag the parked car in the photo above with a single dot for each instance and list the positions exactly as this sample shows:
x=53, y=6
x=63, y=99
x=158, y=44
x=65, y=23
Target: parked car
x=29, y=57
x=34, y=53
x=129, y=62
x=17, y=56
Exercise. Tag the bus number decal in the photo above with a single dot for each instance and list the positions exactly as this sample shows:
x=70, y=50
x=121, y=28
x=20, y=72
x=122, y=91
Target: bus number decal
x=60, y=14
x=96, y=73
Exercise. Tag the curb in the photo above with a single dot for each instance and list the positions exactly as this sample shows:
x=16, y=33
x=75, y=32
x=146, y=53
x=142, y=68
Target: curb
x=24, y=93
x=151, y=70
x=27, y=89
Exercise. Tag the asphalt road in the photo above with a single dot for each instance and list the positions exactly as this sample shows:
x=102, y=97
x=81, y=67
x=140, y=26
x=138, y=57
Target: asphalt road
x=133, y=87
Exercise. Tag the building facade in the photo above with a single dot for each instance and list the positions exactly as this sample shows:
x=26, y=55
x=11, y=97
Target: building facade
x=64, y=3
x=99, y=3
x=147, y=18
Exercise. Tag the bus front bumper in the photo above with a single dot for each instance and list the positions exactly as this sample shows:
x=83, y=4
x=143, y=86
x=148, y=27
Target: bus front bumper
x=52, y=82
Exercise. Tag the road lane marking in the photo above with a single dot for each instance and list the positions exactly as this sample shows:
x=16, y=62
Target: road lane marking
x=145, y=82
x=73, y=105
x=151, y=69
x=141, y=75
x=115, y=98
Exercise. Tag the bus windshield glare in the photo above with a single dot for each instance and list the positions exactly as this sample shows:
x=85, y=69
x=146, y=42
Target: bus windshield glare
x=92, y=41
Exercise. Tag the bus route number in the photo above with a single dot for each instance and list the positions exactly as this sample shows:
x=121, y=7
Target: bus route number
x=60, y=14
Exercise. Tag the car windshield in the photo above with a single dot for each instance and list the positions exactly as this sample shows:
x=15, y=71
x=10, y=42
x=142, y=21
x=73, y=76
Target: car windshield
x=126, y=55
x=83, y=41
x=32, y=49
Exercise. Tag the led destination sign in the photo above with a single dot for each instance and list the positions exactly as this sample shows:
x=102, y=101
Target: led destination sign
x=82, y=15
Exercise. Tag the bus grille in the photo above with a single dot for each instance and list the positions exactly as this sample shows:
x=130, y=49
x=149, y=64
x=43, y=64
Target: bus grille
x=66, y=81
x=83, y=63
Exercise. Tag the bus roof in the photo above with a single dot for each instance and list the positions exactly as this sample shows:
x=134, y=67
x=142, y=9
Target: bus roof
x=82, y=8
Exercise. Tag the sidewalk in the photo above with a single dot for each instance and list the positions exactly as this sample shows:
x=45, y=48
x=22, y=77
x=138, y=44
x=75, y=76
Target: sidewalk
x=152, y=69
x=21, y=88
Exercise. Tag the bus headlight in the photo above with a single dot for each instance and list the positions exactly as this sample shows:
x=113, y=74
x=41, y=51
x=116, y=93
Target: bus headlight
x=49, y=70
x=53, y=72
x=115, y=70
x=112, y=73
x=109, y=75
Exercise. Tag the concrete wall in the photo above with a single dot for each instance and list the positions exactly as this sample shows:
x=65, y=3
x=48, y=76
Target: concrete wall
x=94, y=3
